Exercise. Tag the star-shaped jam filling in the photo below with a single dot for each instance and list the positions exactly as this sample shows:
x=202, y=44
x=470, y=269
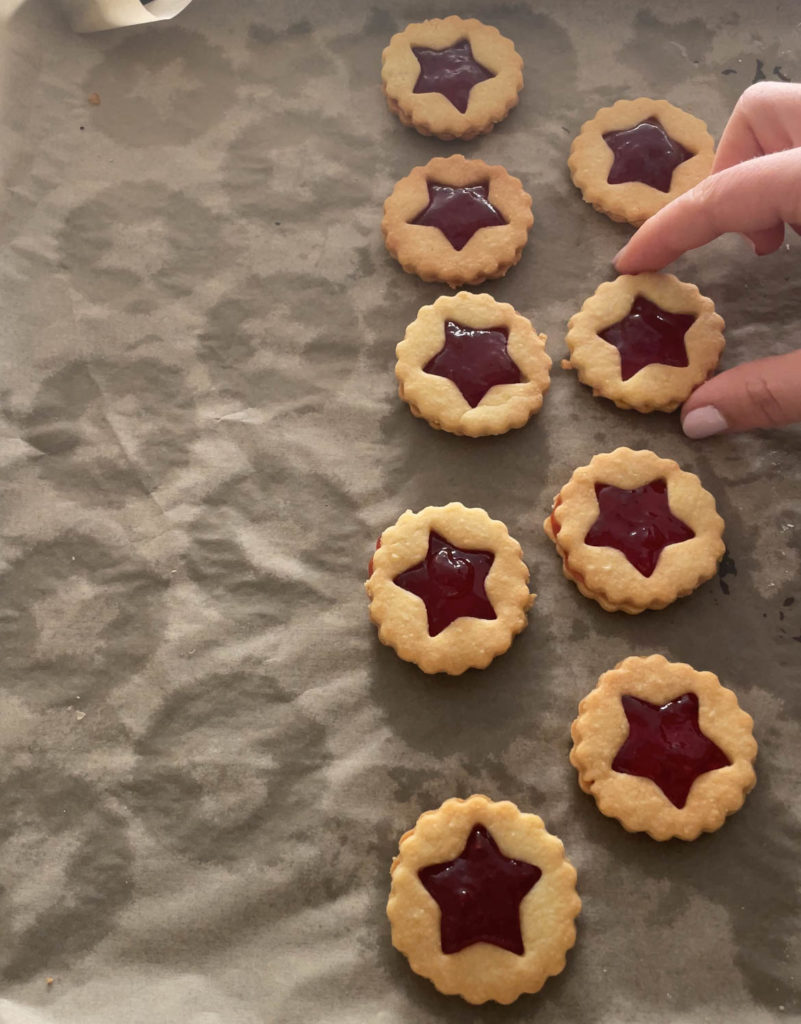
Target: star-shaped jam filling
x=637, y=522
x=450, y=581
x=459, y=212
x=479, y=895
x=475, y=360
x=648, y=334
x=665, y=744
x=452, y=71
x=645, y=153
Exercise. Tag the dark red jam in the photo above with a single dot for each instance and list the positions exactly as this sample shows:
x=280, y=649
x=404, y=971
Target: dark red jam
x=648, y=334
x=645, y=153
x=475, y=360
x=637, y=522
x=452, y=71
x=665, y=744
x=479, y=895
x=450, y=582
x=459, y=212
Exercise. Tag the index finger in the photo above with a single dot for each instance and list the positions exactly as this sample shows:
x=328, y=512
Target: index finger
x=750, y=197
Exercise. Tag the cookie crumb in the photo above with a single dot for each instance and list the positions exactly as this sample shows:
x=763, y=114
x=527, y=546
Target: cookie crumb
x=49, y=982
x=94, y=99
x=80, y=715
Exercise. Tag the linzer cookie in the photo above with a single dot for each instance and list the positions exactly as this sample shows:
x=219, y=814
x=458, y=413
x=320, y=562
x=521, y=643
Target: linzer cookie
x=635, y=531
x=634, y=157
x=456, y=220
x=471, y=365
x=483, y=901
x=663, y=748
x=451, y=77
x=448, y=588
x=645, y=341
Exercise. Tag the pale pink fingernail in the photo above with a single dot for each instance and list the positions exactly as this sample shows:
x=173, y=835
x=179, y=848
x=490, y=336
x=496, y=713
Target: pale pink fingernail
x=703, y=422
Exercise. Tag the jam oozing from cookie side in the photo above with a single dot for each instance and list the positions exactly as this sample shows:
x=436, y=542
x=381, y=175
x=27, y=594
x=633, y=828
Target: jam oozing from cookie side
x=648, y=334
x=450, y=582
x=475, y=360
x=459, y=212
x=452, y=71
x=479, y=895
x=665, y=744
x=638, y=522
x=645, y=153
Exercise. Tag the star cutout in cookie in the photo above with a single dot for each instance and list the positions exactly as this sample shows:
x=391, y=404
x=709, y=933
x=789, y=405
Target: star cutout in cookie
x=475, y=360
x=459, y=212
x=637, y=522
x=665, y=744
x=452, y=71
x=479, y=895
x=644, y=153
x=648, y=334
x=450, y=582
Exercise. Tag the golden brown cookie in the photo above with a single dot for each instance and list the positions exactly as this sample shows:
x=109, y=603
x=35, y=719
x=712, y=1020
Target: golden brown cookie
x=634, y=157
x=456, y=220
x=635, y=531
x=448, y=588
x=451, y=77
x=663, y=748
x=645, y=341
x=483, y=900
x=471, y=365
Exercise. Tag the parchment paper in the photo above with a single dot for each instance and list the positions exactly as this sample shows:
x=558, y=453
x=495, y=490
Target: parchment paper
x=207, y=758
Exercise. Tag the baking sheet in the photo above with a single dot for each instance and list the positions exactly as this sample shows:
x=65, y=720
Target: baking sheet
x=207, y=758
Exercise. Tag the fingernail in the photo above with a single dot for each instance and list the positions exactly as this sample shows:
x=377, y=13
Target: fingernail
x=618, y=254
x=703, y=422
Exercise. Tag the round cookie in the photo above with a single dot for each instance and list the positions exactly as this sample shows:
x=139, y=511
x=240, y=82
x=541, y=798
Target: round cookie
x=472, y=366
x=453, y=77
x=483, y=901
x=634, y=157
x=635, y=531
x=456, y=220
x=448, y=588
x=645, y=341
x=663, y=748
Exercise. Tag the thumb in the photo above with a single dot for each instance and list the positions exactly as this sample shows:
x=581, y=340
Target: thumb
x=765, y=393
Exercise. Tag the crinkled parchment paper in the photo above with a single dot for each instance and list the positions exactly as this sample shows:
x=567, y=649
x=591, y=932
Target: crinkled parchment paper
x=206, y=758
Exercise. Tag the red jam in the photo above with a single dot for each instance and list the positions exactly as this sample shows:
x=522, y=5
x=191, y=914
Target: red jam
x=459, y=212
x=665, y=744
x=370, y=564
x=475, y=360
x=648, y=334
x=450, y=581
x=637, y=522
x=479, y=895
x=645, y=153
x=452, y=71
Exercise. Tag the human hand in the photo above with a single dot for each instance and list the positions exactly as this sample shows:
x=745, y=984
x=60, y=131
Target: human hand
x=754, y=188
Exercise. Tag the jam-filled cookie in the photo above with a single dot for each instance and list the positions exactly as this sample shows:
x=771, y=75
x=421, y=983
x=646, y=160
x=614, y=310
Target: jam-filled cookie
x=663, y=748
x=473, y=366
x=448, y=588
x=456, y=220
x=451, y=77
x=635, y=531
x=645, y=341
x=483, y=901
x=634, y=157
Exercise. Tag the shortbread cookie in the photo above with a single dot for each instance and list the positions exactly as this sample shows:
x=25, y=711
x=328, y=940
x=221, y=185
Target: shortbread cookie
x=456, y=220
x=635, y=531
x=664, y=749
x=471, y=365
x=448, y=588
x=451, y=77
x=483, y=900
x=645, y=341
x=634, y=157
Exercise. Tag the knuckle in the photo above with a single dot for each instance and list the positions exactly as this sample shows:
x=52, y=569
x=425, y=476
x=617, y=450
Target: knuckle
x=765, y=401
x=757, y=94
